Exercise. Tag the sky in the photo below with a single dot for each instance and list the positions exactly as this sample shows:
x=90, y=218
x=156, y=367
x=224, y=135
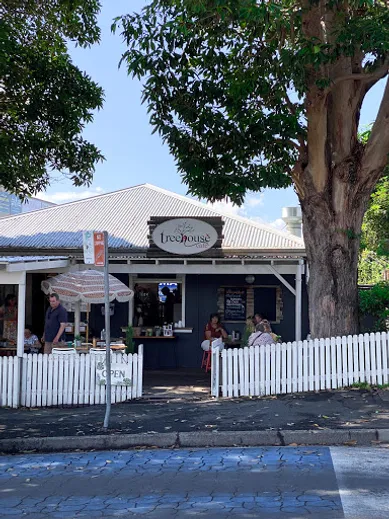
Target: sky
x=122, y=132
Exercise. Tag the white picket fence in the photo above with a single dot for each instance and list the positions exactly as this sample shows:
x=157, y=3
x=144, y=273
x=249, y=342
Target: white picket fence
x=56, y=380
x=302, y=366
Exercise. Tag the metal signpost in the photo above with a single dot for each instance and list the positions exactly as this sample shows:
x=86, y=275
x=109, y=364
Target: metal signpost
x=107, y=332
x=96, y=252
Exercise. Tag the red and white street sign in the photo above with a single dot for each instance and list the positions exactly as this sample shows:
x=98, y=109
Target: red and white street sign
x=98, y=242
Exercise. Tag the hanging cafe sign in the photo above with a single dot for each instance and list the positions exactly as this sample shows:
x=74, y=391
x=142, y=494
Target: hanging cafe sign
x=120, y=374
x=185, y=236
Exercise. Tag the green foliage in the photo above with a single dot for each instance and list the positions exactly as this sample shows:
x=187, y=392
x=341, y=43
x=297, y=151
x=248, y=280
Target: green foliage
x=361, y=385
x=130, y=345
x=350, y=233
x=248, y=330
x=368, y=387
x=375, y=230
x=45, y=100
x=225, y=81
x=375, y=226
x=371, y=267
x=376, y=303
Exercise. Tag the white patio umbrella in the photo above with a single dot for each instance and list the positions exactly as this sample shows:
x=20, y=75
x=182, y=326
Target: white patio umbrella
x=85, y=286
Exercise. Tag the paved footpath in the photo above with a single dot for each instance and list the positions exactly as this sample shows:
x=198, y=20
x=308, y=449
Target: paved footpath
x=354, y=409
x=282, y=482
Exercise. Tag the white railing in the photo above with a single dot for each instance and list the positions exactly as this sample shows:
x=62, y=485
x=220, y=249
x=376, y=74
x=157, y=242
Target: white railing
x=9, y=381
x=302, y=366
x=56, y=380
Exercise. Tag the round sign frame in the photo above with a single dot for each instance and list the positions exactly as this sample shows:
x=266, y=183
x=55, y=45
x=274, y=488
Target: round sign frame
x=185, y=236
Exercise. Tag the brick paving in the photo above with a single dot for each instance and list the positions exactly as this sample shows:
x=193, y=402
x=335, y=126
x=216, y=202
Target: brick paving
x=223, y=483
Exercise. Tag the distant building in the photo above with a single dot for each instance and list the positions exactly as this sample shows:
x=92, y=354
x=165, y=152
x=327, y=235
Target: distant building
x=11, y=204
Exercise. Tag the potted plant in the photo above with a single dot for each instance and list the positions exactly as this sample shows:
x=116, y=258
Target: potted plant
x=130, y=345
x=248, y=330
x=77, y=340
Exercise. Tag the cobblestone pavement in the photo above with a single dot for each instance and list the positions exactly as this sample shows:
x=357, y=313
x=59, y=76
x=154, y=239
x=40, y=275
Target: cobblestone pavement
x=223, y=483
x=270, y=482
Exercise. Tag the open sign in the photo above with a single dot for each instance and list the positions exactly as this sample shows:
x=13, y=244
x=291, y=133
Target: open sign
x=120, y=374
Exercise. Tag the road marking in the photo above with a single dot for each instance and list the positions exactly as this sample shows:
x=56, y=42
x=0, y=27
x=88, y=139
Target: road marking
x=363, y=480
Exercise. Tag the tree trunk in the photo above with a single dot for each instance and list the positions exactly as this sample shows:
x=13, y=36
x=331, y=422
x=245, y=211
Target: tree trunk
x=332, y=239
x=336, y=174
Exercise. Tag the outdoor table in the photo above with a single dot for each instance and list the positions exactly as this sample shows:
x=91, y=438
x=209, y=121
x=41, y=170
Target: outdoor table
x=113, y=347
x=8, y=351
x=79, y=349
x=232, y=344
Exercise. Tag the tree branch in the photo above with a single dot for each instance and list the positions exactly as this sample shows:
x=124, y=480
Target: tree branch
x=289, y=104
x=291, y=143
x=293, y=111
x=375, y=76
x=375, y=157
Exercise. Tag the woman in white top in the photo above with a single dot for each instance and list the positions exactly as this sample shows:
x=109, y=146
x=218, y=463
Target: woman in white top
x=260, y=337
x=31, y=341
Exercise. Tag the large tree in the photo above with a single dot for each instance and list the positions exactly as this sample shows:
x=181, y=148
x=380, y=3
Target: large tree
x=250, y=94
x=45, y=100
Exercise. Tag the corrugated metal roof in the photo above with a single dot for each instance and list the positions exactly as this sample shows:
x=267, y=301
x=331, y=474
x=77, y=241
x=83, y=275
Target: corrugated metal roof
x=124, y=214
x=29, y=259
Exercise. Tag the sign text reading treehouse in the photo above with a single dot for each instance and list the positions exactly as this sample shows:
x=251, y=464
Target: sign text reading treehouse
x=184, y=236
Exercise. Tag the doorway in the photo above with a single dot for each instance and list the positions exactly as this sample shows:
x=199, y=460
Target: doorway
x=182, y=384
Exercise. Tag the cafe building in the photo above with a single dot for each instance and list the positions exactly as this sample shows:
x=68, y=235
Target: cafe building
x=184, y=260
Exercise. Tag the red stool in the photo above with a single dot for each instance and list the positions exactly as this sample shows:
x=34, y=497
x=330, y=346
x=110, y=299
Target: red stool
x=206, y=361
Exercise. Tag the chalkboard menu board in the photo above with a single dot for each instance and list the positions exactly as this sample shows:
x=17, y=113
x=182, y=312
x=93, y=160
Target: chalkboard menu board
x=235, y=304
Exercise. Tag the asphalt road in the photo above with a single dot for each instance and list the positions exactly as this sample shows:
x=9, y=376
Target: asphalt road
x=293, y=482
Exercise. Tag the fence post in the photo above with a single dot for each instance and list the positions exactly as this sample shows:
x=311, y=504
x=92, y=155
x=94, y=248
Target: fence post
x=215, y=366
x=140, y=370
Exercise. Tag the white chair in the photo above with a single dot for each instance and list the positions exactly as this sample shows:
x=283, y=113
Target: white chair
x=98, y=351
x=64, y=351
x=205, y=345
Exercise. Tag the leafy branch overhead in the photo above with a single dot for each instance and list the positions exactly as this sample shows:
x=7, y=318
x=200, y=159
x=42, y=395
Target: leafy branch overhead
x=235, y=86
x=45, y=100
x=251, y=94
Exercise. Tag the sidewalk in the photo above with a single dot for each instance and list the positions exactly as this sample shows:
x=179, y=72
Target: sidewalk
x=329, y=418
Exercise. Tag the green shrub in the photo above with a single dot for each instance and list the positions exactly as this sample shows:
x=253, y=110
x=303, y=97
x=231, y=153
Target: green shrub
x=376, y=303
x=130, y=345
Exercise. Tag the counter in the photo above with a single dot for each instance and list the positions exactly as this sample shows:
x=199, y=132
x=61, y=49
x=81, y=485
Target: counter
x=159, y=352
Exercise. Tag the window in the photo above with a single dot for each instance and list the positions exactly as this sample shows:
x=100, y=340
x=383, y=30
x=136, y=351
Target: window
x=173, y=287
x=158, y=301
